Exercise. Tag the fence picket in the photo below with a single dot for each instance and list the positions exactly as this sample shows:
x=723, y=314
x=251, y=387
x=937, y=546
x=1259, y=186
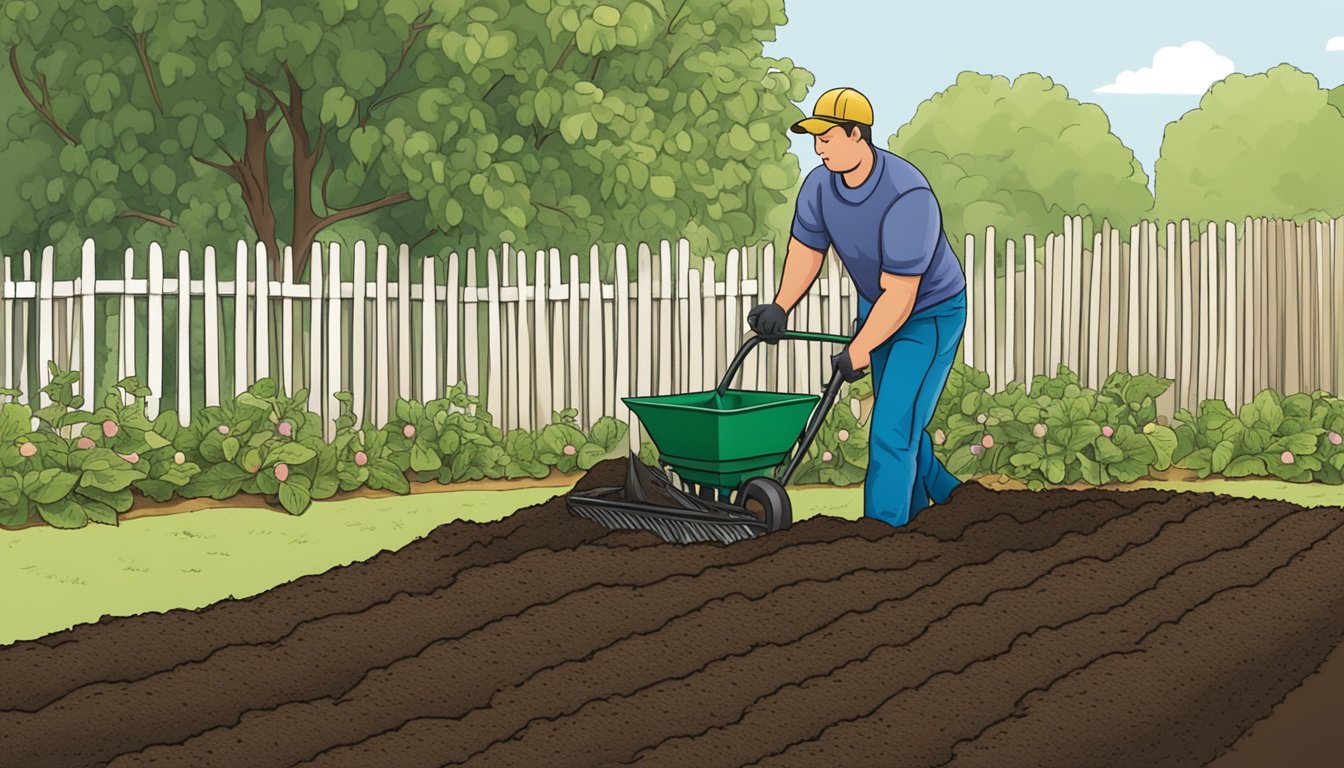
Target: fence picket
x=452, y=308
x=541, y=334
x=184, y=335
x=154, y=327
x=993, y=358
x=666, y=381
x=317, y=325
x=359, y=333
x=695, y=330
x=969, y=336
x=125, y=321
x=494, y=334
x=471, y=335
x=332, y=382
x=710, y=333
x=521, y=343
x=1030, y=310
x=46, y=318
x=593, y=371
x=288, y=361
x=262, y=354
x=87, y=384
x=241, y=311
x=429, y=326
x=210, y=278
x=404, y=322
x=382, y=343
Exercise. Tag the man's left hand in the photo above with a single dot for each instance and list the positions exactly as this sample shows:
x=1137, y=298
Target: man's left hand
x=851, y=364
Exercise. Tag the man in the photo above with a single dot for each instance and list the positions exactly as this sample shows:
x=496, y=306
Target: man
x=880, y=214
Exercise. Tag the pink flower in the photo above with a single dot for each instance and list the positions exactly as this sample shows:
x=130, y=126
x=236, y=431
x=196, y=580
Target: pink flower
x=1287, y=457
x=977, y=449
x=939, y=437
x=1038, y=430
x=281, y=472
x=110, y=428
x=1335, y=439
x=827, y=456
x=84, y=444
x=132, y=457
x=570, y=450
x=987, y=441
x=179, y=458
x=361, y=458
x=408, y=430
x=1107, y=431
x=285, y=429
x=843, y=435
x=223, y=429
x=28, y=450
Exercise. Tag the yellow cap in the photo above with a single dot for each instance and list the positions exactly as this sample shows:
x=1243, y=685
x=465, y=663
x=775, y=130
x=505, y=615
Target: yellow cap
x=838, y=105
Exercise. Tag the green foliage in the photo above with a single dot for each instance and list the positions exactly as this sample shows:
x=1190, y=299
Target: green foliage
x=1020, y=156
x=564, y=122
x=1258, y=145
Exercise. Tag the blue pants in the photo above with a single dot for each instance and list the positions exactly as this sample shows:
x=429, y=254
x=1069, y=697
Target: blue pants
x=904, y=475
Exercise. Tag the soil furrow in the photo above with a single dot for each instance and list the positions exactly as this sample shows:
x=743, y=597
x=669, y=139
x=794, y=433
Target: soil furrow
x=998, y=606
x=972, y=504
x=925, y=717
x=567, y=629
x=1199, y=682
x=36, y=674
x=724, y=687
x=553, y=695
x=326, y=658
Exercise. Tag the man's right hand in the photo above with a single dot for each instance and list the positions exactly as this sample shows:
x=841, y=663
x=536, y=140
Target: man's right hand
x=769, y=321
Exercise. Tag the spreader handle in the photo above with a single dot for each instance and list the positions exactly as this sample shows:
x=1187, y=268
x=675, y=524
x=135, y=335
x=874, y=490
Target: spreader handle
x=750, y=341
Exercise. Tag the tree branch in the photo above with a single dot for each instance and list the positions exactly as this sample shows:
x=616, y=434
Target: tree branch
x=360, y=210
x=232, y=170
x=541, y=139
x=428, y=235
x=564, y=54
x=284, y=108
x=331, y=168
x=416, y=28
x=161, y=221
x=572, y=220
x=43, y=108
x=138, y=39
x=492, y=88
x=227, y=153
x=597, y=62
x=673, y=19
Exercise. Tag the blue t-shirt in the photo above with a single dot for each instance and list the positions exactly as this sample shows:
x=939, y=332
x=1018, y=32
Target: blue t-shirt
x=890, y=223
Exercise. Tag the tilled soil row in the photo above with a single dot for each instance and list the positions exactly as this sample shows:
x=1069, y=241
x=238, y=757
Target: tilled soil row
x=1088, y=627
x=686, y=644
x=605, y=616
x=36, y=671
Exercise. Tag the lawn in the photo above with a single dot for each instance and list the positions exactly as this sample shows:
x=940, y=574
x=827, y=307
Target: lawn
x=54, y=579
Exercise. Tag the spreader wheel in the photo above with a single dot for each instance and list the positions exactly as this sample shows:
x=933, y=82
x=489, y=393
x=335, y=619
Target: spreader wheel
x=766, y=498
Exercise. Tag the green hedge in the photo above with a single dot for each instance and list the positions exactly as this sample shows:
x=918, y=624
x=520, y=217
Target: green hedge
x=1064, y=433
x=265, y=443
x=261, y=442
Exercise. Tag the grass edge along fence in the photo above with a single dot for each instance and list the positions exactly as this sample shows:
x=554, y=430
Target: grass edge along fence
x=69, y=466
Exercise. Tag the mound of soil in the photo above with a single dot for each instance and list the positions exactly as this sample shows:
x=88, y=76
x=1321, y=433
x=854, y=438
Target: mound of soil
x=1011, y=628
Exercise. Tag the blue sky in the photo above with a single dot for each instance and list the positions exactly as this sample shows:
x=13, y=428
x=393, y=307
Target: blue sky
x=900, y=53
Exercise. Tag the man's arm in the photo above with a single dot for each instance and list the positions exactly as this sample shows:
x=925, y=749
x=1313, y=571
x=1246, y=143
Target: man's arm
x=910, y=232
x=802, y=264
x=888, y=314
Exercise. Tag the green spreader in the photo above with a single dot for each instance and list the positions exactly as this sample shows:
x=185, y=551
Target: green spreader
x=731, y=444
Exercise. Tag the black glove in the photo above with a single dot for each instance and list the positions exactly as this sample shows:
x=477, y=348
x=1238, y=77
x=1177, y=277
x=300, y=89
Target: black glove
x=845, y=366
x=769, y=321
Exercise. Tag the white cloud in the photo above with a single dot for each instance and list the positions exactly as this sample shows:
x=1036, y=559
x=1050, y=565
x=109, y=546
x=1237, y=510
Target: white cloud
x=1188, y=69
x=1335, y=43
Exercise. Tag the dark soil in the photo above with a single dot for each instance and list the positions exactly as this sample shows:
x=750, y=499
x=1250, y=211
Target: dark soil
x=1004, y=628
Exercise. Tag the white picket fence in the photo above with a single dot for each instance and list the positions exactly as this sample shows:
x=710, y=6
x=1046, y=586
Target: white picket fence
x=528, y=348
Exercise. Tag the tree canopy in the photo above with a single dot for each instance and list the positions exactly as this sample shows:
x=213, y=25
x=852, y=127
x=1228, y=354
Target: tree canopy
x=1258, y=145
x=1020, y=156
x=565, y=122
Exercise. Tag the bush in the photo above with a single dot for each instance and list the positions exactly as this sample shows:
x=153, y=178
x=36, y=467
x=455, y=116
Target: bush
x=80, y=466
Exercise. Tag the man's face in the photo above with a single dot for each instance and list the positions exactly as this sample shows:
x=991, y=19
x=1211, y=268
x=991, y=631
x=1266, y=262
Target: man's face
x=839, y=152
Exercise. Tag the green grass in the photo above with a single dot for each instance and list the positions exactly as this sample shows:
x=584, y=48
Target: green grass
x=55, y=579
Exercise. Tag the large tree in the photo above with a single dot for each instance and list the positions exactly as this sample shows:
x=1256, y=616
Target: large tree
x=1020, y=155
x=1258, y=145
x=560, y=121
